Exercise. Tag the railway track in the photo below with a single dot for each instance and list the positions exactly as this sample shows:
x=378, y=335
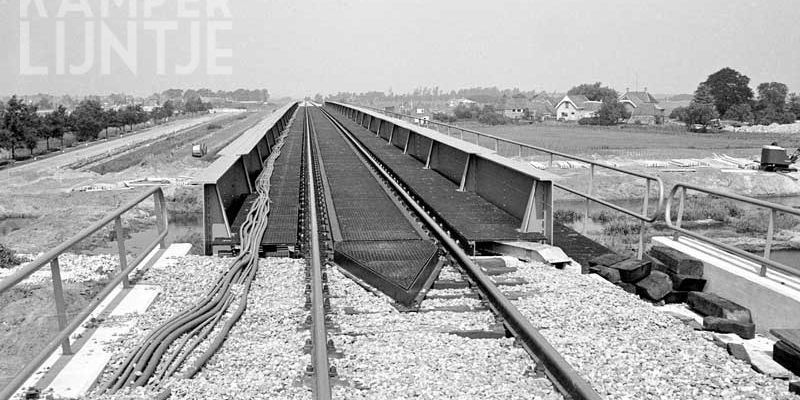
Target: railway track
x=562, y=375
x=180, y=347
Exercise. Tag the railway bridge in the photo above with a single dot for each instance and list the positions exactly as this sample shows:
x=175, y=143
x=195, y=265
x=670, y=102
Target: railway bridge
x=352, y=252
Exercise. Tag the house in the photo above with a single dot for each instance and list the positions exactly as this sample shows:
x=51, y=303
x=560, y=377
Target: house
x=642, y=107
x=575, y=107
x=452, y=103
x=542, y=107
x=515, y=107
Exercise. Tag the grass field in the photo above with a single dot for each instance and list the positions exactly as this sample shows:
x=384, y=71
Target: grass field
x=631, y=142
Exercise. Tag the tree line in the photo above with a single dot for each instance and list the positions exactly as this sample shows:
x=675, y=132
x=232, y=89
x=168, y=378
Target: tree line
x=22, y=126
x=726, y=94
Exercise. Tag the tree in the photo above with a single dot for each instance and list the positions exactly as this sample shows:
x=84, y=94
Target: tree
x=794, y=104
x=594, y=92
x=729, y=87
x=740, y=112
x=22, y=125
x=88, y=119
x=703, y=95
x=680, y=114
x=467, y=111
x=772, y=94
x=700, y=114
x=55, y=125
x=611, y=112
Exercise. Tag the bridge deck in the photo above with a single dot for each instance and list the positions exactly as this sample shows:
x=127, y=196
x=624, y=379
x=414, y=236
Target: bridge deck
x=377, y=241
x=473, y=218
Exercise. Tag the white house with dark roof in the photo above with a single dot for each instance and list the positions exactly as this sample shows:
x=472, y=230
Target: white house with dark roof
x=642, y=107
x=576, y=106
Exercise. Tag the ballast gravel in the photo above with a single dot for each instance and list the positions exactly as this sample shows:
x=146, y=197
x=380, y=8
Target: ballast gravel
x=262, y=356
x=626, y=348
x=391, y=355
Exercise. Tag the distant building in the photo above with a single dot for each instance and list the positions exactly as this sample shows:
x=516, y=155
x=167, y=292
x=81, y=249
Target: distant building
x=575, y=107
x=515, y=107
x=452, y=103
x=542, y=107
x=642, y=107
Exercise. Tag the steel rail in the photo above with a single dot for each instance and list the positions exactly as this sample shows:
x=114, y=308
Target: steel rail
x=764, y=260
x=561, y=373
x=319, y=335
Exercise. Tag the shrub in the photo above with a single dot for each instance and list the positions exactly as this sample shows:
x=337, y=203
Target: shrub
x=492, y=118
x=699, y=208
x=8, y=257
x=602, y=217
x=444, y=117
x=567, y=216
x=757, y=221
x=213, y=127
x=242, y=116
x=622, y=227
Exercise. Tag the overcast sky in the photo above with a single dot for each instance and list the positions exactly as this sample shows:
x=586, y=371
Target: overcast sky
x=302, y=47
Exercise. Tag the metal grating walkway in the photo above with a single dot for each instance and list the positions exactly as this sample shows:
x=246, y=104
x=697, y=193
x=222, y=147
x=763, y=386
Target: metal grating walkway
x=378, y=241
x=473, y=218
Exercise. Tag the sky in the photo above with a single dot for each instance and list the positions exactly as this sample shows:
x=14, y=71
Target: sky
x=300, y=48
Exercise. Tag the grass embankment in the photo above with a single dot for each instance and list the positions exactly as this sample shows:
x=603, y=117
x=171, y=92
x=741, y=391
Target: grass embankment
x=636, y=142
x=714, y=217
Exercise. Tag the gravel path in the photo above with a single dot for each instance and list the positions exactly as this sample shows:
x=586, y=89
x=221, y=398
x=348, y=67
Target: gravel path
x=261, y=358
x=626, y=348
x=393, y=355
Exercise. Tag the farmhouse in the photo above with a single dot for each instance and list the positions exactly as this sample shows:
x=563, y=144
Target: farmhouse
x=642, y=107
x=515, y=107
x=575, y=107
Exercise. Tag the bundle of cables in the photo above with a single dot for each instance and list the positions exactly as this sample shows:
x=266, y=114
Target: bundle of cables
x=164, y=352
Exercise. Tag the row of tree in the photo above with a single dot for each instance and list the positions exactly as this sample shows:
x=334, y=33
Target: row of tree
x=726, y=94
x=22, y=126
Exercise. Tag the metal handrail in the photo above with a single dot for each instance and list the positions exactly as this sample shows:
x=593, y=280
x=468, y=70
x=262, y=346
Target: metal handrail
x=764, y=260
x=643, y=217
x=51, y=258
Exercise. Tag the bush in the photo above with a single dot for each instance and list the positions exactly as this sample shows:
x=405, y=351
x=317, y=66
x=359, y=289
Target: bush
x=567, y=216
x=757, y=221
x=622, y=227
x=492, y=118
x=8, y=257
x=242, y=116
x=602, y=217
x=699, y=208
x=444, y=117
x=213, y=127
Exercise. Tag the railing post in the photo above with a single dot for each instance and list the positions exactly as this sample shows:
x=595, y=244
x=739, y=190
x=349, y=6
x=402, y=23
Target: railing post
x=551, y=160
x=768, y=247
x=677, y=234
x=520, y=152
x=448, y=130
x=643, y=226
x=161, y=216
x=61, y=307
x=123, y=255
x=591, y=190
x=497, y=145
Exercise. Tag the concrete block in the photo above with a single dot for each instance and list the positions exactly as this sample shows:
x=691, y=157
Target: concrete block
x=786, y=356
x=794, y=387
x=609, y=274
x=773, y=300
x=633, y=270
x=607, y=260
x=675, y=296
x=724, y=340
x=738, y=351
x=790, y=337
x=746, y=330
x=763, y=363
x=687, y=283
x=710, y=304
x=628, y=287
x=654, y=286
x=678, y=262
